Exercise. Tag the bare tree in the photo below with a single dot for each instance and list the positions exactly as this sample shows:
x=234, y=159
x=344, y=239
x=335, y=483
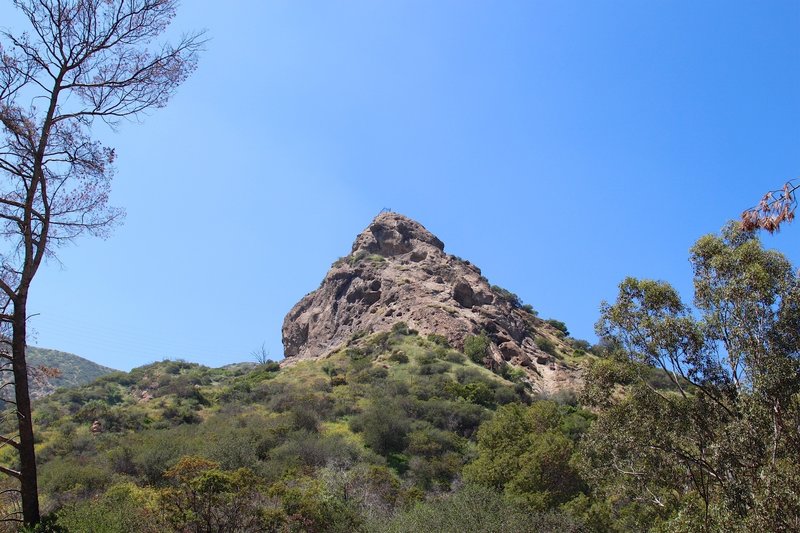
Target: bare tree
x=261, y=355
x=79, y=61
x=775, y=208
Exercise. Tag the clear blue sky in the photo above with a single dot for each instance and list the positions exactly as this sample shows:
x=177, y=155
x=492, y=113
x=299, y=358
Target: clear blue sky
x=559, y=145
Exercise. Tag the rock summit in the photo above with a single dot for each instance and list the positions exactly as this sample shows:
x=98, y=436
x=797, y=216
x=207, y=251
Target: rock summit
x=398, y=271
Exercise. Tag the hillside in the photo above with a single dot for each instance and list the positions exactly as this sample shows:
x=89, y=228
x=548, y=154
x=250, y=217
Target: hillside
x=73, y=369
x=348, y=443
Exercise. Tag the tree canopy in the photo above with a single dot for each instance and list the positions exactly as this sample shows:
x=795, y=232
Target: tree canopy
x=721, y=441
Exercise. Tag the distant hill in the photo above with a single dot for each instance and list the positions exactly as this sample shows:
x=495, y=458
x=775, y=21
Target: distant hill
x=74, y=370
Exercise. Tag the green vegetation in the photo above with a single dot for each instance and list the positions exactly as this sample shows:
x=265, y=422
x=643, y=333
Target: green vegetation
x=361, y=255
x=73, y=370
x=545, y=345
x=476, y=347
x=475, y=508
x=507, y=295
x=52, y=369
x=715, y=452
x=559, y=325
x=350, y=443
x=526, y=453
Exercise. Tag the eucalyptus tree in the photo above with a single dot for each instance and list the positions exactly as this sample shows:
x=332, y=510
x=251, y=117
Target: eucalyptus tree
x=714, y=432
x=77, y=62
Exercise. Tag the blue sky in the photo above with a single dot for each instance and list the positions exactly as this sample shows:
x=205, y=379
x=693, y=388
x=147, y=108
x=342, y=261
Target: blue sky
x=560, y=146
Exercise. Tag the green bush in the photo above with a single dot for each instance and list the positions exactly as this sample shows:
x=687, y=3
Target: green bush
x=454, y=357
x=476, y=347
x=70, y=477
x=202, y=497
x=385, y=426
x=580, y=344
x=474, y=392
x=398, y=356
x=461, y=418
x=559, y=325
x=271, y=366
x=476, y=509
x=122, y=509
x=546, y=345
x=525, y=452
x=441, y=340
x=400, y=328
x=303, y=450
x=436, y=367
x=507, y=295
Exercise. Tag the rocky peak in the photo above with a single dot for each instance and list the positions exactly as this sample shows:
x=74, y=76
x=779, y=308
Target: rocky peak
x=398, y=271
x=392, y=234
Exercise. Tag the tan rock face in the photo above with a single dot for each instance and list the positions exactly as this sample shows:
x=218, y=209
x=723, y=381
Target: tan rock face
x=398, y=271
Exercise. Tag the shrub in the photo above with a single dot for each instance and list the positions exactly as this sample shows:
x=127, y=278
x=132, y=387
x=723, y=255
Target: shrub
x=438, y=471
x=156, y=451
x=400, y=328
x=465, y=375
x=398, y=356
x=312, y=450
x=307, y=506
x=476, y=509
x=454, y=357
x=385, y=427
x=181, y=413
x=523, y=451
x=461, y=418
x=205, y=498
x=427, y=357
x=305, y=417
x=122, y=509
x=559, y=325
x=507, y=295
x=546, y=345
x=436, y=367
x=378, y=343
x=474, y=392
x=271, y=366
x=369, y=375
x=580, y=344
x=66, y=479
x=357, y=335
x=441, y=340
x=476, y=347
x=505, y=395
x=354, y=353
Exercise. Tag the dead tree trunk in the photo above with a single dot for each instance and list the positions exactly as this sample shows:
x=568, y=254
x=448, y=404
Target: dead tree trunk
x=27, y=455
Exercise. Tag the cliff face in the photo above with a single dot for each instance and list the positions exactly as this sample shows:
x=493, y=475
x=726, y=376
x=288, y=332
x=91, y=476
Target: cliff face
x=398, y=271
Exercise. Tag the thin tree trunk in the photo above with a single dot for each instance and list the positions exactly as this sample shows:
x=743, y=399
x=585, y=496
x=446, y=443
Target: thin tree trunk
x=27, y=455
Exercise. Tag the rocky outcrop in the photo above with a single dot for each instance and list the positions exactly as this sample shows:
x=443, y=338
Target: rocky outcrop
x=398, y=271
